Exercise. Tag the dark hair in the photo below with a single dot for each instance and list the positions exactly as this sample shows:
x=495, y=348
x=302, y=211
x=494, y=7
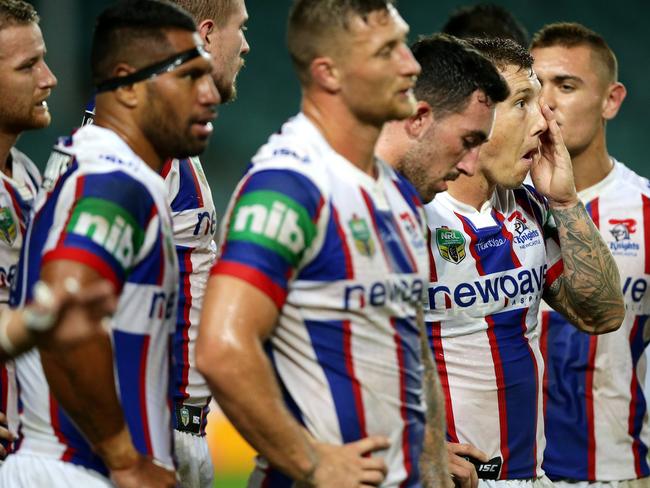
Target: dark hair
x=17, y=12
x=485, y=20
x=312, y=22
x=133, y=32
x=503, y=53
x=217, y=10
x=451, y=71
x=572, y=34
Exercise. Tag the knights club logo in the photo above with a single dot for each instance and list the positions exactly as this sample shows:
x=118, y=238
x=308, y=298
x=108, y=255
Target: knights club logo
x=622, y=229
x=520, y=223
x=451, y=244
x=8, y=229
x=362, y=236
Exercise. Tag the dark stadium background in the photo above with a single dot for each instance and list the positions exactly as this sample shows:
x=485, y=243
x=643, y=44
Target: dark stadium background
x=269, y=93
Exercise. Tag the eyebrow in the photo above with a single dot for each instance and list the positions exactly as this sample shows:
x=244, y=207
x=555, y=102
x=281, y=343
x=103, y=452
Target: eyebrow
x=524, y=91
x=563, y=78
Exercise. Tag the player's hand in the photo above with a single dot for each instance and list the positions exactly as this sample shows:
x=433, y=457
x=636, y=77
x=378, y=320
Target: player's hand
x=346, y=467
x=462, y=471
x=552, y=170
x=144, y=474
x=5, y=435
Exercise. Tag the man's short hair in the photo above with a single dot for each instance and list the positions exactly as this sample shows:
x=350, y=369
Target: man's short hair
x=572, y=34
x=313, y=22
x=451, y=71
x=17, y=12
x=485, y=20
x=217, y=10
x=503, y=53
x=134, y=32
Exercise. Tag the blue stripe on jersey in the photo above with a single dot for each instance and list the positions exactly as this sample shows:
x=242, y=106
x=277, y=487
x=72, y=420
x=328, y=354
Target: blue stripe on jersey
x=181, y=341
x=187, y=197
x=638, y=346
x=149, y=271
x=320, y=269
x=328, y=341
x=129, y=351
x=34, y=243
x=520, y=383
x=529, y=204
x=493, y=248
x=289, y=183
x=567, y=357
x=123, y=190
x=409, y=193
x=412, y=374
x=82, y=453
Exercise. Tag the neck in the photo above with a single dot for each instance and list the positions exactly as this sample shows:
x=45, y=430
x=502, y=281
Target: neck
x=131, y=133
x=347, y=135
x=471, y=190
x=7, y=141
x=593, y=164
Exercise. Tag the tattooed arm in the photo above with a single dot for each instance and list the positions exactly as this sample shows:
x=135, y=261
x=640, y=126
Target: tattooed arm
x=434, y=471
x=588, y=293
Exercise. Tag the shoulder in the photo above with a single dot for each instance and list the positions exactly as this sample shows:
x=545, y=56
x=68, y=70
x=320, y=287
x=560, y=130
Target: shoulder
x=30, y=168
x=627, y=180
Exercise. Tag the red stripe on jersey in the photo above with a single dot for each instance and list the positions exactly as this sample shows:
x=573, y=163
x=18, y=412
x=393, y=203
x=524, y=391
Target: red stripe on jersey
x=646, y=232
x=187, y=307
x=433, y=274
x=195, y=178
x=634, y=401
x=589, y=403
x=84, y=257
x=524, y=329
x=254, y=277
x=16, y=206
x=54, y=421
x=543, y=346
x=143, y=394
x=373, y=218
x=167, y=167
x=79, y=186
x=595, y=212
x=439, y=358
x=508, y=234
x=406, y=452
x=349, y=268
x=554, y=273
x=356, y=387
x=472, y=244
x=501, y=396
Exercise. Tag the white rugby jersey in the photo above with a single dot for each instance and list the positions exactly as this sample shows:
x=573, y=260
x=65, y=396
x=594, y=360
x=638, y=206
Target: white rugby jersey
x=195, y=225
x=343, y=257
x=108, y=211
x=489, y=271
x=16, y=199
x=596, y=411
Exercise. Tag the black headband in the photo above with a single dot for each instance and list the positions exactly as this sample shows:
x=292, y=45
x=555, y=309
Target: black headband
x=159, y=68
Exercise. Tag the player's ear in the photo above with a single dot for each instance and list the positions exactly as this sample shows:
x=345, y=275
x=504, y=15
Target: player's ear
x=325, y=74
x=616, y=93
x=126, y=95
x=418, y=123
x=205, y=29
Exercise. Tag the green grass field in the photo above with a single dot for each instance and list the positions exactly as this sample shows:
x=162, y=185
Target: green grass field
x=230, y=481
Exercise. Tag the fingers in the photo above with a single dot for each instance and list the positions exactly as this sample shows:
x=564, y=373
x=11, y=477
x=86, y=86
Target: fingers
x=467, y=450
x=463, y=472
x=370, y=444
x=374, y=469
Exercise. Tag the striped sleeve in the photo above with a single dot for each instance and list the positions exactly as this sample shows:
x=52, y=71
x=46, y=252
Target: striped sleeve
x=106, y=225
x=272, y=223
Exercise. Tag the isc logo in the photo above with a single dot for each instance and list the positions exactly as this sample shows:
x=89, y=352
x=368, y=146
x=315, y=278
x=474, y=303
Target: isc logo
x=115, y=237
x=279, y=223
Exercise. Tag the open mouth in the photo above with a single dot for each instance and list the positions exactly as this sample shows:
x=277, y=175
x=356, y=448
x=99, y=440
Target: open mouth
x=203, y=127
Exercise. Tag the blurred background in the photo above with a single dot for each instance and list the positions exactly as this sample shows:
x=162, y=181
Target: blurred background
x=269, y=94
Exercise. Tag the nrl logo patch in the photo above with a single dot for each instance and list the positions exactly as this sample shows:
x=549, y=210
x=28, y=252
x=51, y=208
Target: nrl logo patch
x=7, y=226
x=362, y=236
x=185, y=416
x=451, y=244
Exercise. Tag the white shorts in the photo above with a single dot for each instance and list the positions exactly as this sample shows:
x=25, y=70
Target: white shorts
x=195, y=468
x=640, y=483
x=26, y=471
x=541, y=482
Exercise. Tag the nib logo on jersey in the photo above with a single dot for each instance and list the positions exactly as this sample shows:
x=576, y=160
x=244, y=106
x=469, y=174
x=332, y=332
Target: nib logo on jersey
x=274, y=221
x=621, y=230
x=525, y=236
